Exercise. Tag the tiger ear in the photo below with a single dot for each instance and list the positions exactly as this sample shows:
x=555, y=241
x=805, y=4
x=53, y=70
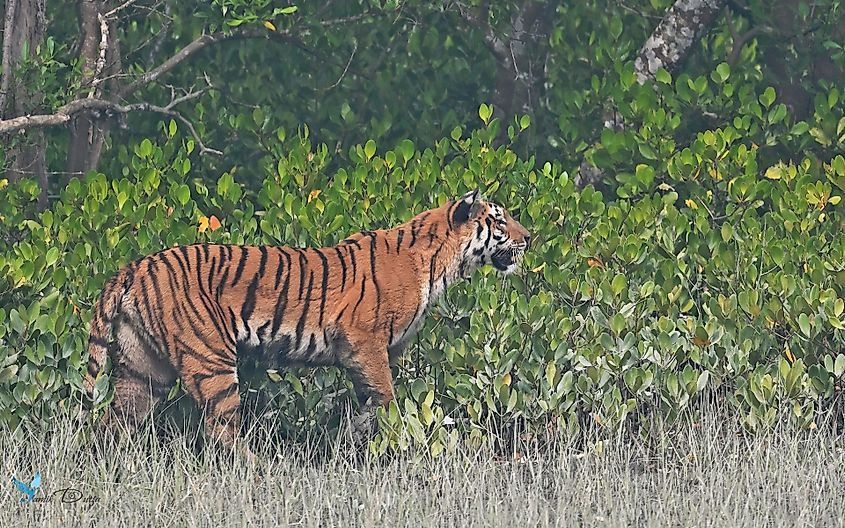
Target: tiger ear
x=467, y=207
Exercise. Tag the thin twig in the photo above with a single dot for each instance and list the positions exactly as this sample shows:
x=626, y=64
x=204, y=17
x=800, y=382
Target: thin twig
x=345, y=69
x=119, y=8
x=199, y=44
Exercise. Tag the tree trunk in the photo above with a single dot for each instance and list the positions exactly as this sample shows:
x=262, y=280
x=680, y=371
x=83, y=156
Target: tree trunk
x=681, y=27
x=24, y=28
x=520, y=70
x=100, y=56
x=667, y=47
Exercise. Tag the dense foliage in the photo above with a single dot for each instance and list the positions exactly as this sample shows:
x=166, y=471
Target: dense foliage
x=726, y=279
x=708, y=264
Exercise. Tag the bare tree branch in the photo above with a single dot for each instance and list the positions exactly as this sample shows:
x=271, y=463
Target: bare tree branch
x=119, y=8
x=479, y=18
x=66, y=112
x=199, y=44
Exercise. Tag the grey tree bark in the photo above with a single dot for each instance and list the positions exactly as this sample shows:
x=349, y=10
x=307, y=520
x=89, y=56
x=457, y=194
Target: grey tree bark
x=670, y=42
x=100, y=54
x=520, y=52
x=667, y=47
x=23, y=29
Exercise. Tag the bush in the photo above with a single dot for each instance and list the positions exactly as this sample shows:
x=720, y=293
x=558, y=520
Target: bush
x=713, y=275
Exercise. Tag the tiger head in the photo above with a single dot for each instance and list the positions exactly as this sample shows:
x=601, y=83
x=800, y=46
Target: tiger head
x=490, y=235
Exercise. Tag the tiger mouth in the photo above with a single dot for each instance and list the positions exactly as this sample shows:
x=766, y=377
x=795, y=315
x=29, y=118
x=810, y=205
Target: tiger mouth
x=505, y=259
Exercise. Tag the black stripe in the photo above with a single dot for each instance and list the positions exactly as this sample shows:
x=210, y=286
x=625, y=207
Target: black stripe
x=432, y=234
x=282, y=254
x=361, y=298
x=188, y=299
x=240, y=269
x=414, y=229
x=171, y=279
x=489, y=231
x=215, y=311
x=373, y=273
x=154, y=322
x=184, y=251
x=263, y=263
x=324, y=285
x=431, y=269
x=234, y=320
x=354, y=263
x=211, y=275
x=342, y=268
x=411, y=323
x=399, y=238
x=300, y=325
x=249, y=300
x=302, y=262
x=281, y=301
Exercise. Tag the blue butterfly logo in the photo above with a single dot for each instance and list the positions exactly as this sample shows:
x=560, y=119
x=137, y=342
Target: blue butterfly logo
x=28, y=490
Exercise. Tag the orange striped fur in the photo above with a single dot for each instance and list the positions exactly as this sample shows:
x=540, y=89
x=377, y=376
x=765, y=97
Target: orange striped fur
x=188, y=312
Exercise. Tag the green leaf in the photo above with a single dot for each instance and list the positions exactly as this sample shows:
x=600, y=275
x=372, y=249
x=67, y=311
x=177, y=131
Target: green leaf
x=727, y=231
x=183, y=194
x=145, y=149
x=370, y=149
x=617, y=323
x=524, y=122
x=804, y=324
x=723, y=71
x=767, y=97
x=484, y=112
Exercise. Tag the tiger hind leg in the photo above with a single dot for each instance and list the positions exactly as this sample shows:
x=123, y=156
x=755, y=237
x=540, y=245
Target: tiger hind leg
x=141, y=377
x=211, y=379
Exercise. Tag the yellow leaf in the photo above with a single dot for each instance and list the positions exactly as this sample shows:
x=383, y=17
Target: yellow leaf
x=691, y=204
x=539, y=268
x=595, y=262
x=214, y=224
x=313, y=194
x=203, y=224
x=269, y=25
x=789, y=355
x=775, y=172
x=506, y=379
x=3, y=183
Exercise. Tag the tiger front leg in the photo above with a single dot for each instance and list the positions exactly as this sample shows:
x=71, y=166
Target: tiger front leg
x=369, y=368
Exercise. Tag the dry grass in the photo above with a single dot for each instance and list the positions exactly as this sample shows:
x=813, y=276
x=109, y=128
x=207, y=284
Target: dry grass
x=702, y=476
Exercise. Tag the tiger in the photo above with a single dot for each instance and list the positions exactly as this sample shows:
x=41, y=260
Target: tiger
x=190, y=312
